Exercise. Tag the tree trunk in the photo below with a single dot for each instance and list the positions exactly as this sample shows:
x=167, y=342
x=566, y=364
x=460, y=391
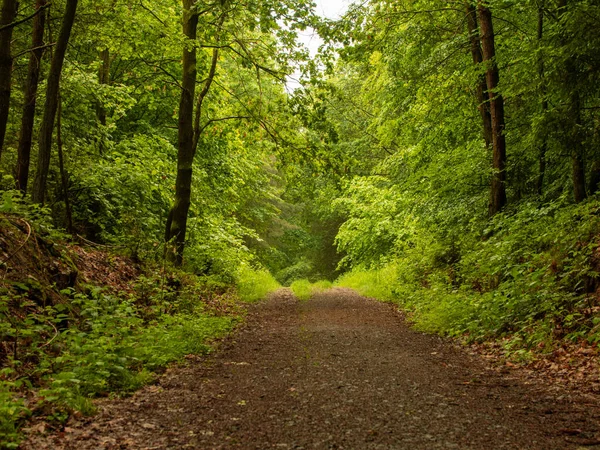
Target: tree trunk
x=482, y=94
x=541, y=73
x=498, y=192
x=52, y=90
x=103, y=79
x=63, y=172
x=573, y=141
x=7, y=16
x=177, y=221
x=30, y=97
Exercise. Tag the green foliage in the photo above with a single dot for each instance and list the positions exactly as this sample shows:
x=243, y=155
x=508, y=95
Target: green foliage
x=375, y=283
x=255, y=284
x=112, y=344
x=124, y=200
x=304, y=289
x=301, y=270
x=519, y=282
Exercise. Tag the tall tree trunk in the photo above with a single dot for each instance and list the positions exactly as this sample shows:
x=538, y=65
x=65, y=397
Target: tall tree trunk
x=573, y=140
x=498, y=191
x=541, y=73
x=177, y=221
x=103, y=79
x=63, y=172
x=481, y=93
x=52, y=90
x=30, y=97
x=7, y=16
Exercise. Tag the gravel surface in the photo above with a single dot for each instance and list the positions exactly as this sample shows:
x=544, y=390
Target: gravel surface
x=336, y=372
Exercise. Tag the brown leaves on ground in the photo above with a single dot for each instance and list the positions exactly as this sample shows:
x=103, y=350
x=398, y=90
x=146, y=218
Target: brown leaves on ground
x=574, y=365
x=102, y=268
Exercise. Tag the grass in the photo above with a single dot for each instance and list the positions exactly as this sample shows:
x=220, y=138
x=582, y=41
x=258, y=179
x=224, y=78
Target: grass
x=376, y=283
x=304, y=289
x=255, y=284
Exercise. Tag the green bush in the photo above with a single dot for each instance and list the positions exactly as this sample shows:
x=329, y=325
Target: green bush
x=255, y=284
x=302, y=289
x=113, y=344
x=523, y=279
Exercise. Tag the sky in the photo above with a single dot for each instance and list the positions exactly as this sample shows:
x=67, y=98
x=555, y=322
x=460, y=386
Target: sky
x=332, y=9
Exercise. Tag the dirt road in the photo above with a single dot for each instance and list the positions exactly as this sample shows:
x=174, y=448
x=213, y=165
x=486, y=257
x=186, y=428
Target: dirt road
x=336, y=372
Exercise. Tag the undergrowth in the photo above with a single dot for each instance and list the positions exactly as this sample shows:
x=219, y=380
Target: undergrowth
x=304, y=289
x=61, y=347
x=95, y=344
x=530, y=279
x=255, y=284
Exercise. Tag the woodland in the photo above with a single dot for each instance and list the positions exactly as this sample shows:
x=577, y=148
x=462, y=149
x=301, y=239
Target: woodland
x=158, y=171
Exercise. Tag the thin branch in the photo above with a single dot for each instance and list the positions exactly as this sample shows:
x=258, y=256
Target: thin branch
x=56, y=333
x=153, y=14
x=163, y=70
x=18, y=55
x=205, y=90
x=221, y=119
x=202, y=96
x=25, y=19
x=22, y=244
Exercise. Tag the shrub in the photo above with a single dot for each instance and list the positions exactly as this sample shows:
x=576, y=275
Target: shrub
x=255, y=284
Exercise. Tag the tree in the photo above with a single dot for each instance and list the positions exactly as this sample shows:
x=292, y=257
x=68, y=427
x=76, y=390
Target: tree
x=30, y=96
x=498, y=191
x=52, y=99
x=481, y=90
x=572, y=136
x=7, y=17
x=177, y=221
x=260, y=24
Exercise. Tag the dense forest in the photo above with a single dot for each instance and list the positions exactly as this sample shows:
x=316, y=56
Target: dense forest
x=442, y=155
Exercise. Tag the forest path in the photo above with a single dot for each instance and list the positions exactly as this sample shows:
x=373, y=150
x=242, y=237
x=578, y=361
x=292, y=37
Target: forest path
x=336, y=372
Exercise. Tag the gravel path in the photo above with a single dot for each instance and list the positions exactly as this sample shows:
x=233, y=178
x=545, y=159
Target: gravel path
x=337, y=372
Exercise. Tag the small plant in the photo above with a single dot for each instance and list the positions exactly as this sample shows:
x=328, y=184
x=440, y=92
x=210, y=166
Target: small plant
x=255, y=284
x=302, y=289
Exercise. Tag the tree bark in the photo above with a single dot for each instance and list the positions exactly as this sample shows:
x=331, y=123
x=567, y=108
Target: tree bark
x=498, y=191
x=63, y=172
x=7, y=16
x=30, y=97
x=52, y=91
x=482, y=95
x=177, y=221
x=103, y=79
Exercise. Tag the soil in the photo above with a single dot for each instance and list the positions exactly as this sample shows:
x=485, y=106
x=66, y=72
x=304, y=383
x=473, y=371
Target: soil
x=336, y=372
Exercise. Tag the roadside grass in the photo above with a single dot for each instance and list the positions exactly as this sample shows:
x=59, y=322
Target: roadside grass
x=527, y=291
x=376, y=283
x=304, y=289
x=255, y=284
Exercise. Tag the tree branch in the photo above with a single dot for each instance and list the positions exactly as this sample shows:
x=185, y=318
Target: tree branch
x=25, y=19
x=221, y=119
x=18, y=55
x=165, y=72
x=153, y=14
